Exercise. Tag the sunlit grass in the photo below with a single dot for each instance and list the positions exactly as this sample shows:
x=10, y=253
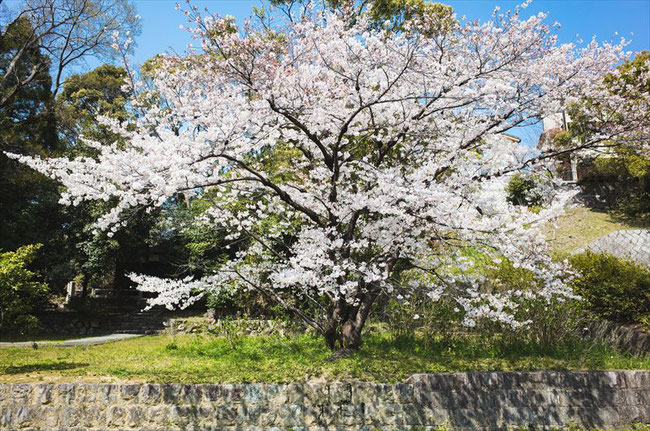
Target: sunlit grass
x=208, y=359
x=579, y=227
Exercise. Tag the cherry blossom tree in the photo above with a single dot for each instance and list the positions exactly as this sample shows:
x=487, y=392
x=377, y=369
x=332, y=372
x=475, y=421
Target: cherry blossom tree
x=348, y=160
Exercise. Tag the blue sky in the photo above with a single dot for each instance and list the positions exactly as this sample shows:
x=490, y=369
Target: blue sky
x=579, y=18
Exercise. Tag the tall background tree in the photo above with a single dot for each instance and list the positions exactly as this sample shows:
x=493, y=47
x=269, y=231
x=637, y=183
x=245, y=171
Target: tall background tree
x=39, y=42
x=29, y=212
x=65, y=31
x=144, y=245
x=84, y=98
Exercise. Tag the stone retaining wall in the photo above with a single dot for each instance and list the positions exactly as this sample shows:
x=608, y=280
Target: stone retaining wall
x=602, y=400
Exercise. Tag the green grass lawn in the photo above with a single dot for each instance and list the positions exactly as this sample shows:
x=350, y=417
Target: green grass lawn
x=578, y=227
x=203, y=359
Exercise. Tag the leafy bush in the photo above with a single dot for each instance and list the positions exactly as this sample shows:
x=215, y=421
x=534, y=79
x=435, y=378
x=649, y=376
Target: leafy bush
x=505, y=276
x=221, y=300
x=526, y=190
x=230, y=302
x=614, y=288
x=413, y=315
x=549, y=321
x=622, y=183
x=551, y=325
x=233, y=330
x=20, y=295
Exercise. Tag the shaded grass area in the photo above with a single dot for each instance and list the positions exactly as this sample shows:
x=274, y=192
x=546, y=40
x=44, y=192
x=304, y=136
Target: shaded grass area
x=209, y=359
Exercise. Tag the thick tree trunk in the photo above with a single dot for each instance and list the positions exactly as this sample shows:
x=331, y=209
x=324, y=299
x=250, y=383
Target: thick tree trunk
x=346, y=323
x=351, y=334
x=331, y=338
x=344, y=335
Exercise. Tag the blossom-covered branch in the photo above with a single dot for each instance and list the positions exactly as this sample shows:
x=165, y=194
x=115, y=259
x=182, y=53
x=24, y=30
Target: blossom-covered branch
x=355, y=158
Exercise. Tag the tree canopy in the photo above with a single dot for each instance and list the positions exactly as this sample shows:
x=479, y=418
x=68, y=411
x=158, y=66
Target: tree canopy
x=348, y=159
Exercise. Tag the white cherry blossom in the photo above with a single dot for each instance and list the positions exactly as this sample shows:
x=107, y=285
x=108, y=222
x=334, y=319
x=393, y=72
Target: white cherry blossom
x=345, y=155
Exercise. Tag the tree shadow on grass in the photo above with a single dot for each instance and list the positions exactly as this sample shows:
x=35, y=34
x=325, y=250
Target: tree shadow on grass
x=637, y=221
x=30, y=368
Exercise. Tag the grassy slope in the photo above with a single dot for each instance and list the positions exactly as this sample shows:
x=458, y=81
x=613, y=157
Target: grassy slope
x=578, y=227
x=202, y=359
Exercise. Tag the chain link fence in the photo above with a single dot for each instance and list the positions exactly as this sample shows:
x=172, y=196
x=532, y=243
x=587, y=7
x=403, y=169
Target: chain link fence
x=630, y=244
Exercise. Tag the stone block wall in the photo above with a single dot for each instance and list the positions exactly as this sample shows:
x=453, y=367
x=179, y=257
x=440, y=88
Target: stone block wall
x=500, y=400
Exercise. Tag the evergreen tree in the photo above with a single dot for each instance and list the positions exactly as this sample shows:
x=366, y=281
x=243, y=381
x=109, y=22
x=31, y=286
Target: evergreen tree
x=29, y=212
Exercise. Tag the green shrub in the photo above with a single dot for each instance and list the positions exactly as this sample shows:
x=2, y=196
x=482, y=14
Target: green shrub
x=414, y=315
x=525, y=190
x=550, y=322
x=614, y=288
x=233, y=330
x=237, y=302
x=220, y=300
x=506, y=276
x=20, y=295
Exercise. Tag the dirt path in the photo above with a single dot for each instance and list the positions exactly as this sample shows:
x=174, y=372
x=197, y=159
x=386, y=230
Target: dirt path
x=89, y=341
